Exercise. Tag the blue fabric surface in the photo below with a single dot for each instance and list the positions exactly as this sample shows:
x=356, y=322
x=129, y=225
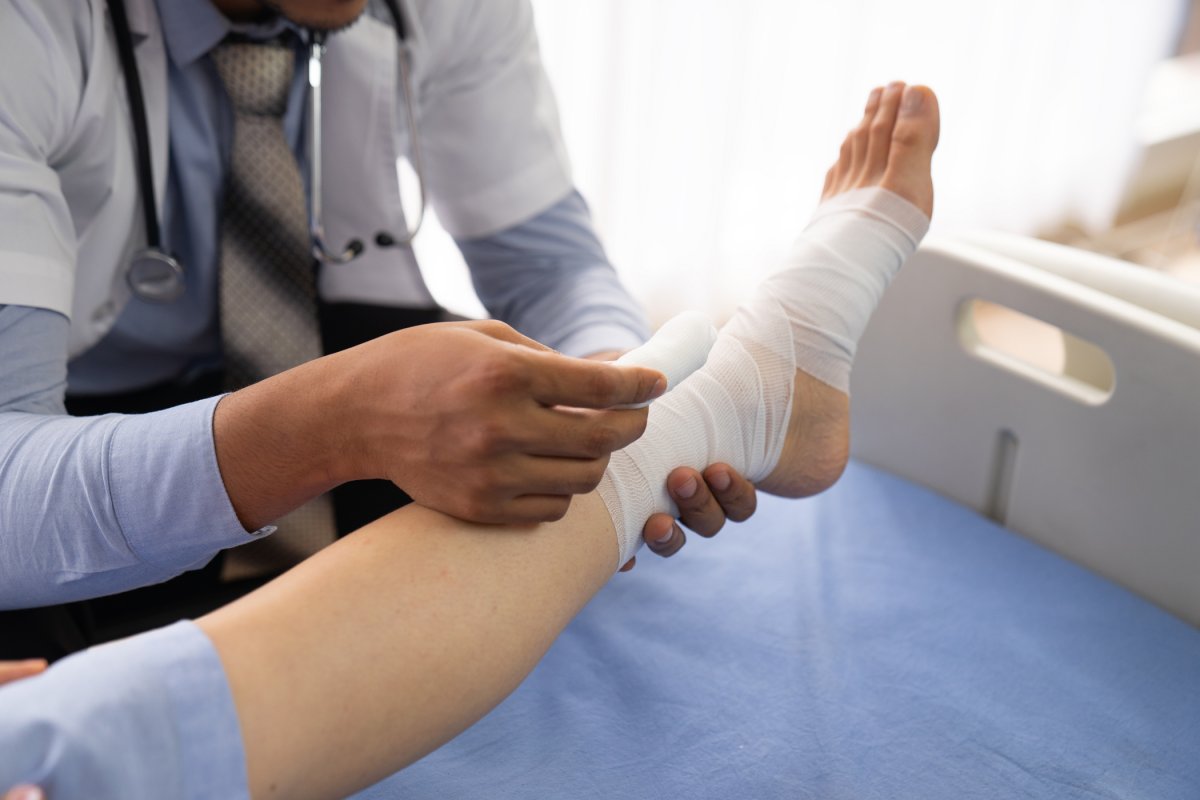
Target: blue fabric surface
x=875, y=642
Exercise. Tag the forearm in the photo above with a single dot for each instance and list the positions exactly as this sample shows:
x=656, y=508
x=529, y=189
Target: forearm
x=389, y=643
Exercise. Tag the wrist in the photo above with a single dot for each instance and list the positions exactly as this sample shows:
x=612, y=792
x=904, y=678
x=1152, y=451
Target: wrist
x=274, y=445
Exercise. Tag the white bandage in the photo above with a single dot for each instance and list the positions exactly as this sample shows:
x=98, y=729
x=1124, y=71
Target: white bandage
x=677, y=349
x=807, y=316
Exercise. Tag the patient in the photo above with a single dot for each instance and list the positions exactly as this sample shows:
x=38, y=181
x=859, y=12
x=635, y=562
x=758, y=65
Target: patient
x=460, y=613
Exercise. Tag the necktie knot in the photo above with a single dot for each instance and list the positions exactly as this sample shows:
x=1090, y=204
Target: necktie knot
x=257, y=76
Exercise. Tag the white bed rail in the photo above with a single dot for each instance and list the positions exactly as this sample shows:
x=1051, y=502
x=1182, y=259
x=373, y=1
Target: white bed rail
x=1104, y=470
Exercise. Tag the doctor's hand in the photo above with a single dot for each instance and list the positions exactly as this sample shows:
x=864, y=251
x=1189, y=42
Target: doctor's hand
x=706, y=500
x=469, y=418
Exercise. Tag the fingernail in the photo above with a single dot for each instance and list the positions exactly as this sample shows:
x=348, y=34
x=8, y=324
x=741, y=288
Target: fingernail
x=660, y=388
x=670, y=534
x=873, y=98
x=688, y=489
x=25, y=793
x=720, y=481
x=912, y=101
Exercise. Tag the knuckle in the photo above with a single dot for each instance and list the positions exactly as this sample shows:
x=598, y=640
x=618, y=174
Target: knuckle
x=486, y=439
x=743, y=507
x=485, y=481
x=594, y=472
x=700, y=504
x=556, y=509
x=906, y=135
x=492, y=327
x=705, y=521
x=473, y=508
x=499, y=376
x=602, y=440
x=603, y=385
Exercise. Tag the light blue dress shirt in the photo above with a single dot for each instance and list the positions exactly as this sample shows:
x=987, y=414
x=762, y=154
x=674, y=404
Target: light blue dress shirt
x=97, y=505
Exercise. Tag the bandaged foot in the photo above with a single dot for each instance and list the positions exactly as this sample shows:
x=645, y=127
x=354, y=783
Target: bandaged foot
x=771, y=399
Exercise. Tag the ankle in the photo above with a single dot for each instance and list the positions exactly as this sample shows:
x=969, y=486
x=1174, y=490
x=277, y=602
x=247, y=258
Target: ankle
x=817, y=444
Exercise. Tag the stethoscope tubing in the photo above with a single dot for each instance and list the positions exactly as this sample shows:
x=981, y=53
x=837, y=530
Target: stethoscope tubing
x=156, y=276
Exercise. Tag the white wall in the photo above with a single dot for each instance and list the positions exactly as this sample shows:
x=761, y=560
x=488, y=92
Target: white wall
x=701, y=129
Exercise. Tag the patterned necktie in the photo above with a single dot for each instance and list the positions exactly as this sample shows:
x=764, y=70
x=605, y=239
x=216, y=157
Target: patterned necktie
x=268, y=298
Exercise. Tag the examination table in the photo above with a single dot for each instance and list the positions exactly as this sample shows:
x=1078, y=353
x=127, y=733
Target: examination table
x=997, y=600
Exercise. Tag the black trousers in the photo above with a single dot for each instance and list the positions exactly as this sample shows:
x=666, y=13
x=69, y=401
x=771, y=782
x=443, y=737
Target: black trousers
x=56, y=631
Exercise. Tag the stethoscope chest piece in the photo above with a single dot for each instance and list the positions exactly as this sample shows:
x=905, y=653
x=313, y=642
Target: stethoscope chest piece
x=155, y=276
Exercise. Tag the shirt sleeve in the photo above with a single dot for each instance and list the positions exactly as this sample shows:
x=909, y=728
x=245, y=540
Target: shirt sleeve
x=41, y=85
x=96, y=505
x=550, y=278
x=491, y=144
x=151, y=716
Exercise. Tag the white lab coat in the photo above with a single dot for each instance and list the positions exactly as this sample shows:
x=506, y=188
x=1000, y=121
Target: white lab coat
x=69, y=210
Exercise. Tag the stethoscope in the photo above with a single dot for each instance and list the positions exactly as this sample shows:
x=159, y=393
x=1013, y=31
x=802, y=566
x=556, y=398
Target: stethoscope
x=154, y=275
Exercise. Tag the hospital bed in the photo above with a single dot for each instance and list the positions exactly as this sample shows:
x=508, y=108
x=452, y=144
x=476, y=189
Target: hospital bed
x=997, y=600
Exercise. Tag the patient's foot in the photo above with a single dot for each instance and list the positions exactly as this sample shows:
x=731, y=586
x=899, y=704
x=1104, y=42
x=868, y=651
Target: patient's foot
x=891, y=148
x=771, y=400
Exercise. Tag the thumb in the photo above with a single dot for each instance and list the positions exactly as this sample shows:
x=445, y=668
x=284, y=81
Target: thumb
x=560, y=380
x=24, y=793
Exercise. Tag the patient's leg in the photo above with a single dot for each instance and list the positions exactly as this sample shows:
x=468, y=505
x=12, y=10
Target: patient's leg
x=391, y=641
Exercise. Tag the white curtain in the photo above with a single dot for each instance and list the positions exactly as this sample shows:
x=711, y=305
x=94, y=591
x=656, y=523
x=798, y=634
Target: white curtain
x=701, y=130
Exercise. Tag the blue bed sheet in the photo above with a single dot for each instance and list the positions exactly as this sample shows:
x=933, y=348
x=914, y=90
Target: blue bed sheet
x=877, y=641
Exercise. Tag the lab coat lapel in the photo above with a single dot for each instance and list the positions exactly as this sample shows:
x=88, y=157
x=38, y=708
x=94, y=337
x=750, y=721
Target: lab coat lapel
x=362, y=142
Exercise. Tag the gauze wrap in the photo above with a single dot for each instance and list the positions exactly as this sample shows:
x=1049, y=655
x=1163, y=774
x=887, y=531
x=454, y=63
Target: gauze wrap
x=808, y=316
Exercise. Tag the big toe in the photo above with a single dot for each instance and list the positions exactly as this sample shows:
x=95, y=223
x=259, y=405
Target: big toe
x=913, y=141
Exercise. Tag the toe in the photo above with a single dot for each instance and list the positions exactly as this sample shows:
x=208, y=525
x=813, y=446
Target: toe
x=914, y=138
x=879, y=141
x=853, y=149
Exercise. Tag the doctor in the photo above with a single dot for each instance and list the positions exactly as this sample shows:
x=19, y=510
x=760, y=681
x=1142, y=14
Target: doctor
x=471, y=418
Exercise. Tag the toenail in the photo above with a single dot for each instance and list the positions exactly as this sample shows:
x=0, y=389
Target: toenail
x=912, y=101
x=687, y=489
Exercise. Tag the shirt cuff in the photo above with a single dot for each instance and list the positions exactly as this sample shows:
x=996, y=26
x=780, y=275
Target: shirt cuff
x=150, y=716
x=598, y=339
x=166, y=487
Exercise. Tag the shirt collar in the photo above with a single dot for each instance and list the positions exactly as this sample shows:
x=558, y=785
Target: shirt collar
x=192, y=28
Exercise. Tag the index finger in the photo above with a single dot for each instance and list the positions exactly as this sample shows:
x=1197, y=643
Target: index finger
x=560, y=380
